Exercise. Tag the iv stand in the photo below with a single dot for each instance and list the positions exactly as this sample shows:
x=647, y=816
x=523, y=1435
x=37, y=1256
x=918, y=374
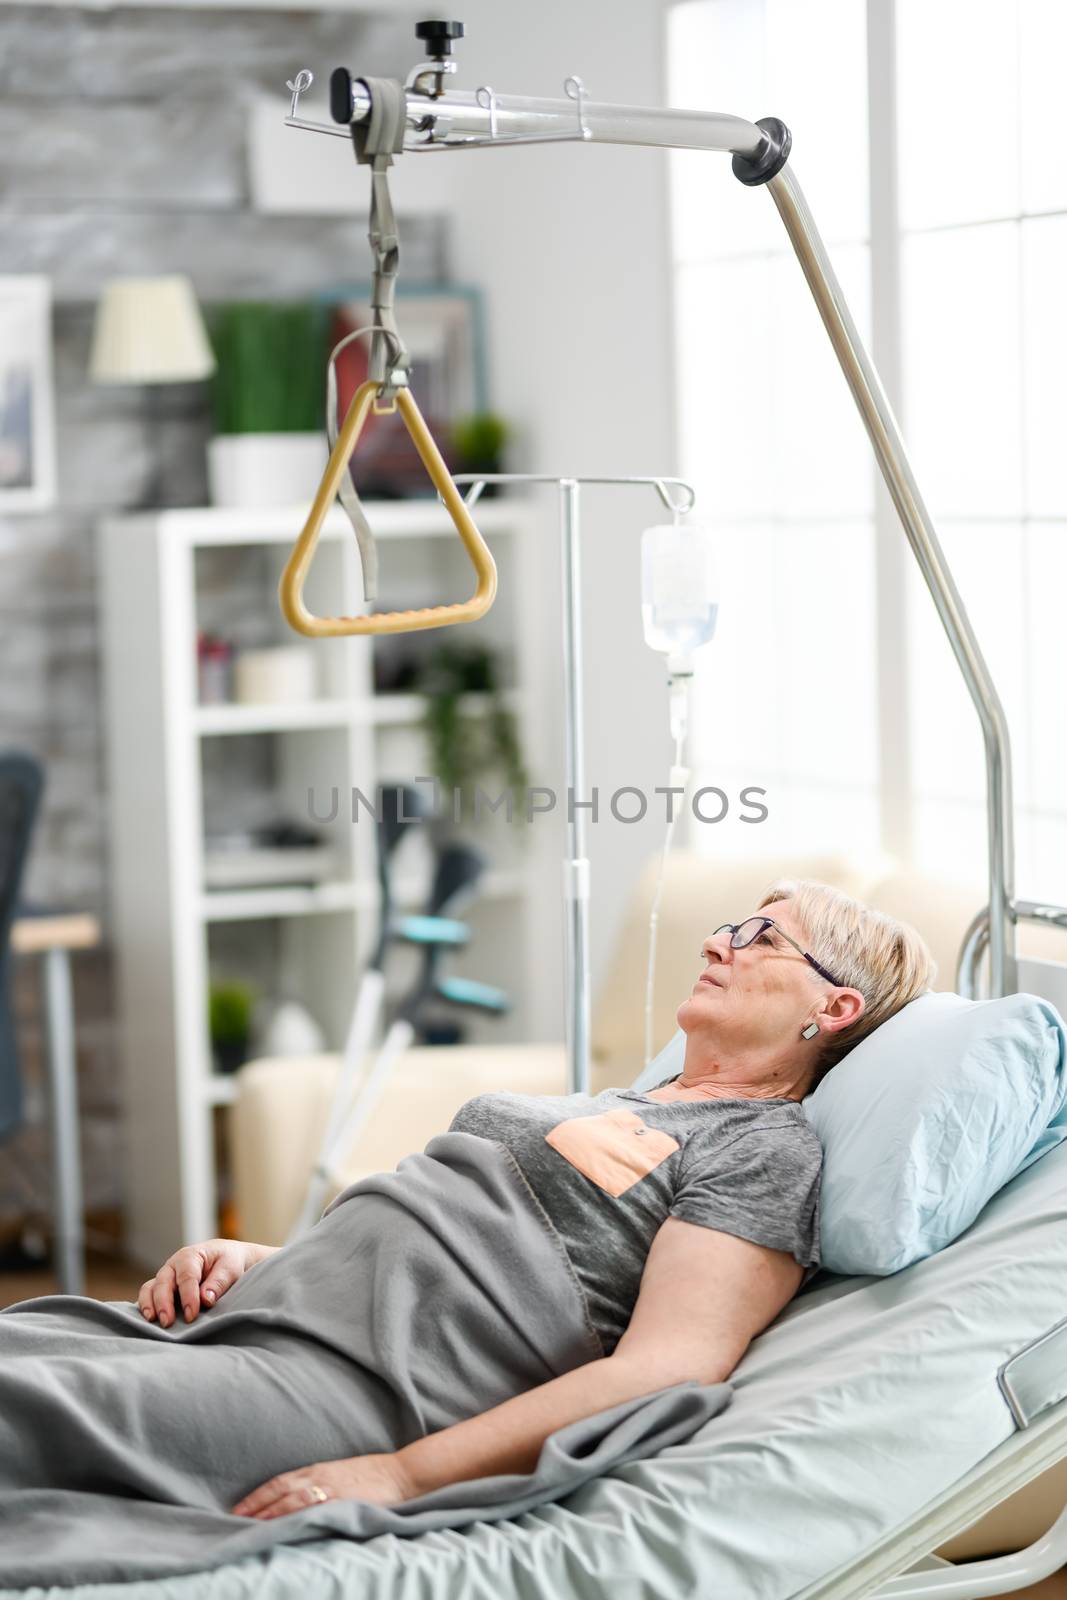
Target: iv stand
x=440, y=119
x=576, y=974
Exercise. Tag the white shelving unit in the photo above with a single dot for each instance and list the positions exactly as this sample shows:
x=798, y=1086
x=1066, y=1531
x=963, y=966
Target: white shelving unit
x=172, y=934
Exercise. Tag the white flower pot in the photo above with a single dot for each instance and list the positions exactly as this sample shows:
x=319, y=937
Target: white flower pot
x=265, y=469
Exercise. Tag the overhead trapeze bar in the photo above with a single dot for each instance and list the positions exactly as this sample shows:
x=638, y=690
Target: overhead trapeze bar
x=430, y=118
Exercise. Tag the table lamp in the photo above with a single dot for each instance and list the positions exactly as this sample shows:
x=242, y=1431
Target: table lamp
x=150, y=331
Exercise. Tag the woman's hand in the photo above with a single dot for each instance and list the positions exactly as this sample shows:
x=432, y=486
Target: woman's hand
x=197, y=1275
x=381, y=1480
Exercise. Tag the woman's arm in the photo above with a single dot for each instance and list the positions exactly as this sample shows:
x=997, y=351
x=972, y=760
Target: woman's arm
x=704, y=1295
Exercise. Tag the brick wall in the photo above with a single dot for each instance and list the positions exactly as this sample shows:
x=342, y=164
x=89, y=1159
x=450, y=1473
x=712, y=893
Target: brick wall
x=122, y=152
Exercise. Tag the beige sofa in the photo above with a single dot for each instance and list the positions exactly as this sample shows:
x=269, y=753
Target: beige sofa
x=281, y=1105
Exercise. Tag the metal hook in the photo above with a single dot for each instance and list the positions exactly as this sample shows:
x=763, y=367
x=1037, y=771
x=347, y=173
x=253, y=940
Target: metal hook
x=678, y=508
x=486, y=98
x=574, y=89
x=300, y=85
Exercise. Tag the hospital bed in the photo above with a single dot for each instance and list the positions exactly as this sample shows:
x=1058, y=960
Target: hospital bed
x=876, y=1418
x=870, y=1426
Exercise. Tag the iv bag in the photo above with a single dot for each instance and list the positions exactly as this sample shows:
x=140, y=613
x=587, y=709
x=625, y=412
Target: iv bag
x=679, y=591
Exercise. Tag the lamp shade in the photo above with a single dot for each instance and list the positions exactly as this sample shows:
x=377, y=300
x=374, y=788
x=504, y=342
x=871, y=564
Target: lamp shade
x=149, y=330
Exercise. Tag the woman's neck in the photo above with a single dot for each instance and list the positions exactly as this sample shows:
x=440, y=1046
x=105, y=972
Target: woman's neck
x=704, y=1078
x=679, y=1089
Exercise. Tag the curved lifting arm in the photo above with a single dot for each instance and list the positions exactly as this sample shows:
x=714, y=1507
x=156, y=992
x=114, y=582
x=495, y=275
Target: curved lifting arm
x=291, y=588
x=760, y=151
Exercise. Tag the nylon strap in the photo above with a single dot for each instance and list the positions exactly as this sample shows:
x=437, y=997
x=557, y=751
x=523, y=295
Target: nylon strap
x=376, y=141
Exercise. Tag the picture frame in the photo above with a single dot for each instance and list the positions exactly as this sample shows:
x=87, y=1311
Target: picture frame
x=27, y=397
x=442, y=328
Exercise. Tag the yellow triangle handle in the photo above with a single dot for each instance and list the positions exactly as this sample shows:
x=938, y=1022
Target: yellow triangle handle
x=291, y=588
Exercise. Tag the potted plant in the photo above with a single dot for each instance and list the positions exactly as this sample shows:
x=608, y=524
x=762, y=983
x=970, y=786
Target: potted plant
x=229, y=1024
x=467, y=745
x=478, y=444
x=268, y=398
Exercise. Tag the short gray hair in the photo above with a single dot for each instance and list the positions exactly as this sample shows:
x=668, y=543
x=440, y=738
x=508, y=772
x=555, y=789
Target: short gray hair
x=886, y=960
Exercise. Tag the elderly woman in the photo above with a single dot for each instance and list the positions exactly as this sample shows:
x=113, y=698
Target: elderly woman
x=546, y=1259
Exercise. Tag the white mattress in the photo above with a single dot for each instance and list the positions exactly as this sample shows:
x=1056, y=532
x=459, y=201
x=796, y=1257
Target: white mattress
x=867, y=1400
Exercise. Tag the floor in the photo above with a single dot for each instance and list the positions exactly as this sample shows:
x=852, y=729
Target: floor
x=108, y=1277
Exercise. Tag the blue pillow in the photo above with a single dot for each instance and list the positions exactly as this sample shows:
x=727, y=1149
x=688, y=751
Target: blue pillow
x=925, y=1120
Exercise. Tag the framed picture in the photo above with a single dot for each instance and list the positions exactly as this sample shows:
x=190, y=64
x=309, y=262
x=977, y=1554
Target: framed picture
x=27, y=403
x=442, y=329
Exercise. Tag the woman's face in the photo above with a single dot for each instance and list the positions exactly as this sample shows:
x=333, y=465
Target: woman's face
x=754, y=1002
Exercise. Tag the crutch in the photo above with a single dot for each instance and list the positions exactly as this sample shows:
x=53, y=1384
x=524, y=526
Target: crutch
x=399, y=805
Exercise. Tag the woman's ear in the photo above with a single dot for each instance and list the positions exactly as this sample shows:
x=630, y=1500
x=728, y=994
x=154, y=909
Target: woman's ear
x=846, y=1007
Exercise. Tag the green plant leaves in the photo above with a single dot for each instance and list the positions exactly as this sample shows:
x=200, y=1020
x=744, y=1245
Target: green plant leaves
x=467, y=746
x=271, y=366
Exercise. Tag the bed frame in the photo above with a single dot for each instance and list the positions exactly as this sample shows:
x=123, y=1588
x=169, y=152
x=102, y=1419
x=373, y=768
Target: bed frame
x=1017, y=1462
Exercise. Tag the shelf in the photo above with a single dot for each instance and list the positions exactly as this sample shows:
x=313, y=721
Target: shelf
x=220, y=1089
x=389, y=519
x=381, y=710
x=404, y=708
x=163, y=576
x=274, y=718
x=244, y=905
x=283, y=900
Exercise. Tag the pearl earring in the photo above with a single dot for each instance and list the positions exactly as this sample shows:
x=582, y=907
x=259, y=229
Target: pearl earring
x=810, y=1031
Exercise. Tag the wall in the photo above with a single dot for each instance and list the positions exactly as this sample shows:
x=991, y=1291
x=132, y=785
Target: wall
x=123, y=151
x=574, y=242
x=147, y=170
x=571, y=245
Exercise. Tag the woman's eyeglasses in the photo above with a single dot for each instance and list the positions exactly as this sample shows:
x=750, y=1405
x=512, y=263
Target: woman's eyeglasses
x=744, y=933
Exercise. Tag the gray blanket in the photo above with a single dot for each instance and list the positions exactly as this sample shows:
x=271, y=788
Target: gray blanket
x=422, y=1297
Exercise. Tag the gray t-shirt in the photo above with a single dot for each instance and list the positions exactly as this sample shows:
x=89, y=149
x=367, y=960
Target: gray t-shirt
x=746, y=1167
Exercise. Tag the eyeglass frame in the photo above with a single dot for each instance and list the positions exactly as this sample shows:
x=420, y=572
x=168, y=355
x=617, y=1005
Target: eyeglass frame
x=769, y=922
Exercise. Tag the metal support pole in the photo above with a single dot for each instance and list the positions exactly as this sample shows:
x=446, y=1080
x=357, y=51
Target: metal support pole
x=576, y=976
x=497, y=118
x=576, y=863
x=63, y=1112
x=896, y=469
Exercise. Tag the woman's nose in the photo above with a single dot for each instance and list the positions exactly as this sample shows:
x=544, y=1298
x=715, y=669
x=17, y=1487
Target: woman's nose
x=717, y=945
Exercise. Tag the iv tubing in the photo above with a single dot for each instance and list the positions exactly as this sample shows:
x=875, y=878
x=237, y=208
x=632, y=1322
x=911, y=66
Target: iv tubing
x=679, y=780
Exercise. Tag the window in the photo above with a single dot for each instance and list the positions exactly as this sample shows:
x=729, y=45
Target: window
x=770, y=435
x=983, y=256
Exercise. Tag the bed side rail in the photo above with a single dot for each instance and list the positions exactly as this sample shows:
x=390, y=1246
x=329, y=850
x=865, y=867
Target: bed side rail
x=976, y=942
